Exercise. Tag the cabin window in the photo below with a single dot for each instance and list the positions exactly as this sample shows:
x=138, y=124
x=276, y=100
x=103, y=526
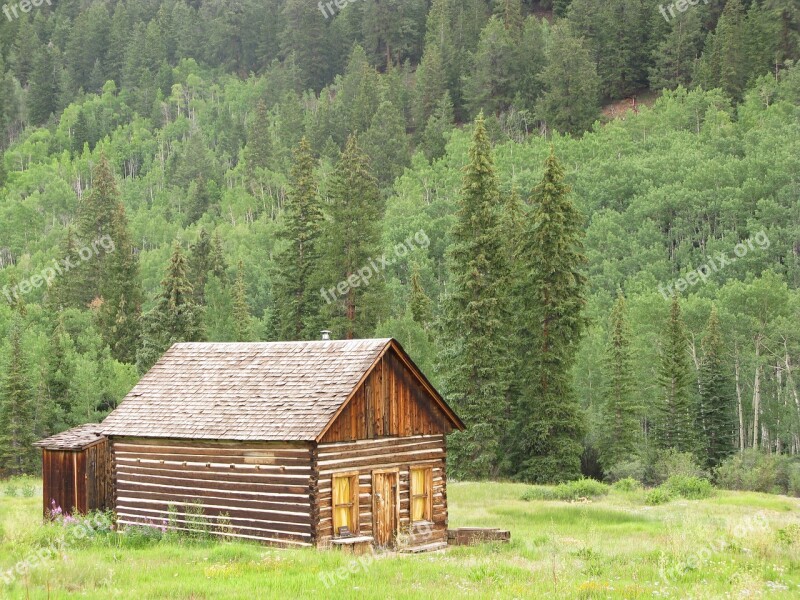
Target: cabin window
x=421, y=496
x=345, y=502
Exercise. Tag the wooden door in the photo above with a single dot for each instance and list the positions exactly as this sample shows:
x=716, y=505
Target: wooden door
x=384, y=507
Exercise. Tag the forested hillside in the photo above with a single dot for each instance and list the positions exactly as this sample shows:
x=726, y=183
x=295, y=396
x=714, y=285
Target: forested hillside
x=583, y=290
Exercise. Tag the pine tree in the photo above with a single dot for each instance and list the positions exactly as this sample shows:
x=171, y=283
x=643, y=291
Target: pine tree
x=59, y=374
x=475, y=320
x=419, y=302
x=296, y=302
x=674, y=426
x=43, y=93
x=305, y=37
x=198, y=201
x=549, y=424
x=242, y=321
x=121, y=291
x=259, y=143
x=352, y=239
x=716, y=398
x=200, y=265
x=570, y=102
x=68, y=290
x=386, y=143
x=431, y=84
x=620, y=425
x=440, y=124
x=217, y=265
x=175, y=318
x=17, y=455
x=96, y=217
x=675, y=56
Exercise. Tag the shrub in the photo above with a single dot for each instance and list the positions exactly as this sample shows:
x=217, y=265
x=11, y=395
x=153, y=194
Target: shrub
x=692, y=488
x=669, y=463
x=11, y=490
x=657, y=496
x=758, y=472
x=27, y=489
x=632, y=469
x=580, y=488
x=628, y=484
x=538, y=492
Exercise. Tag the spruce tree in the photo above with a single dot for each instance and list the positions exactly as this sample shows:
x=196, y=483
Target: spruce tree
x=620, y=425
x=175, y=318
x=17, y=455
x=259, y=143
x=217, y=265
x=675, y=56
x=475, y=321
x=296, y=301
x=242, y=321
x=352, y=240
x=674, y=421
x=200, y=265
x=440, y=124
x=121, y=291
x=43, y=93
x=549, y=424
x=717, y=415
x=419, y=302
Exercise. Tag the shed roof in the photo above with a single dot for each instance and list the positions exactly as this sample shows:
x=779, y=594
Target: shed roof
x=76, y=438
x=275, y=391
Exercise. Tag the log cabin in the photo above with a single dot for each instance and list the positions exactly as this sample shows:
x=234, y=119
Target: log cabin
x=318, y=443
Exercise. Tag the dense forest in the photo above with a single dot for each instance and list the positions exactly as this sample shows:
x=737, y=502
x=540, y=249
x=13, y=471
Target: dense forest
x=581, y=218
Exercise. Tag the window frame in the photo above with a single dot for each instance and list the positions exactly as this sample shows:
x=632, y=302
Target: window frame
x=427, y=516
x=353, y=476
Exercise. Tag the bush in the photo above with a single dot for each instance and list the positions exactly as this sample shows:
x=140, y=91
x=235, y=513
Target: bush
x=570, y=491
x=633, y=469
x=692, y=488
x=669, y=463
x=755, y=471
x=628, y=484
x=27, y=489
x=11, y=490
x=659, y=495
x=538, y=492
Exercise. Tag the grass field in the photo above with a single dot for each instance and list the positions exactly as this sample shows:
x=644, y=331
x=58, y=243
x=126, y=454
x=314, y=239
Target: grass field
x=733, y=545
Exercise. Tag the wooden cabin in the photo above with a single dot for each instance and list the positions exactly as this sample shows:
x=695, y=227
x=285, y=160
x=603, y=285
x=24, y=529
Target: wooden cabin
x=322, y=443
x=76, y=471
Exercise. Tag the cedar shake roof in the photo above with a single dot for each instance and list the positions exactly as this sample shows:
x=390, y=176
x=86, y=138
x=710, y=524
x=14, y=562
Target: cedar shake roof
x=276, y=391
x=74, y=439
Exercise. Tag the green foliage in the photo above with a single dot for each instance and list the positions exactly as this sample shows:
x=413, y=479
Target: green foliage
x=570, y=491
x=627, y=484
x=671, y=463
x=656, y=496
x=758, y=472
x=689, y=487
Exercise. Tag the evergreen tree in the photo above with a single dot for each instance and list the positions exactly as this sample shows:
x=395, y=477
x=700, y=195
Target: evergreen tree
x=352, y=239
x=475, y=320
x=217, y=265
x=121, y=291
x=43, y=93
x=259, y=143
x=716, y=398
x=440, y=124
x=550, y=424
x=674, y=422
x=218, y=315
x=305, y=38
x=17, y=455
x=620, y=425
x=175, y=318
x=59, y=374
x=199, y=200
x=675, y=56
x=200, y=265
x=419, y=302
x=431, y=84
x=386, y=144
x=242, y=321
x=570, y=102
x=296, y=302
x=68, y=290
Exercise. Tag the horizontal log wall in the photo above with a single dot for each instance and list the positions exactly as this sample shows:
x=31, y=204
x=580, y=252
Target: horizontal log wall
x=255, y=490
x=386, y=453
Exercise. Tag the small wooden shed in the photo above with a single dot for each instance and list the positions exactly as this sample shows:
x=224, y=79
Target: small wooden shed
x=314, y=443
x=76, y=471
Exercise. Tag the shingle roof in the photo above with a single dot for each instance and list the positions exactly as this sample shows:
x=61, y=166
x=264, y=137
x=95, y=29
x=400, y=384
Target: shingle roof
x=73, y=439
x=277, y=391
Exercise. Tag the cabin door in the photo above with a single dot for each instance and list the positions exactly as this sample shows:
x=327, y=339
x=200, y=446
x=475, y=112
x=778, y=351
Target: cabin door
x=384, y=508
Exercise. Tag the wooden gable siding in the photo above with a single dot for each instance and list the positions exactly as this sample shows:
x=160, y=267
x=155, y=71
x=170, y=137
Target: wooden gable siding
x=255, y=490
x=77, y=480
x=367, y=456
x=390, y=402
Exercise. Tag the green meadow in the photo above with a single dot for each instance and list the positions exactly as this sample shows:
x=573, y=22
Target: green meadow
x=731, y=545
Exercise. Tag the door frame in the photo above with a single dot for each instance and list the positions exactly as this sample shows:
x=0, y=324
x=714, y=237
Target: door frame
x=396, y=472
